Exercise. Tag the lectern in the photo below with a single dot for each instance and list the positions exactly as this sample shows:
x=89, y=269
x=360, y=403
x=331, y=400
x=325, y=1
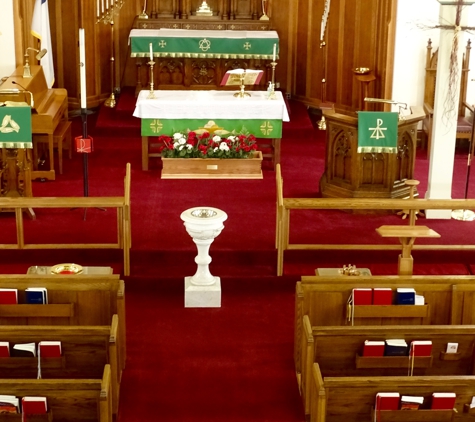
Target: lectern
x=349, y=174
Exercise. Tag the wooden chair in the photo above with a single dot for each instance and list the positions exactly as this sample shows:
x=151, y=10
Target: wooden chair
x=465, y=111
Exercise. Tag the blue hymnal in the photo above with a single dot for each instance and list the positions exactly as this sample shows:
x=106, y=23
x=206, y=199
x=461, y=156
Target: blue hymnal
x=395, y=347
x=36, y=296
x=405, y=296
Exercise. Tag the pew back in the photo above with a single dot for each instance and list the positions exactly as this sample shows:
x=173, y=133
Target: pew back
x=75, y=400
x=351, y=399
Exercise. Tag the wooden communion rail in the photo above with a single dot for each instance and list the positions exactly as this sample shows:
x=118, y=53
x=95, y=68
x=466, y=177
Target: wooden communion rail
x=120, y=203
x=285, y=205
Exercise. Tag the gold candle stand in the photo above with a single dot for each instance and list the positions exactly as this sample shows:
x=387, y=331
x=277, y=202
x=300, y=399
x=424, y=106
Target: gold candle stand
x=271, y=95
x=151, y=95
x=241, y=93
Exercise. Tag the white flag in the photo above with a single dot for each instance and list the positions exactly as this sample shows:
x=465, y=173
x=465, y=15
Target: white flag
x=40, y=29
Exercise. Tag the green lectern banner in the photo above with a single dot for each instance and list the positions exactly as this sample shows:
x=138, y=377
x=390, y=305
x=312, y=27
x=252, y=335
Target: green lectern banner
x=15, y=127
x=377, y=131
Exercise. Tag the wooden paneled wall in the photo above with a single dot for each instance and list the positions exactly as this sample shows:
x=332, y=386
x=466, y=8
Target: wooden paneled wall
x=360, y=33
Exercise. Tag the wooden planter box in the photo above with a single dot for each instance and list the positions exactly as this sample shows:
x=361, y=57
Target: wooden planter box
x=213, y=168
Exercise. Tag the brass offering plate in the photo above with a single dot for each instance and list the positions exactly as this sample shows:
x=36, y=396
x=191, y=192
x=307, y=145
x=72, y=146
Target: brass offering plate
x=66, y=269
x=362, y=70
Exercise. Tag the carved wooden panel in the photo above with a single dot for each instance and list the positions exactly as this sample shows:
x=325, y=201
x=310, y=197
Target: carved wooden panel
x=373, y=169
x=171, y=72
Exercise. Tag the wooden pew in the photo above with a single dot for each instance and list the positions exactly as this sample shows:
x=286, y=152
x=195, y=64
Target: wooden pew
x=324, y=300
x=338, y=352
x=351, y=399
x=68, y=399
x=72, y=300
x=85, y=351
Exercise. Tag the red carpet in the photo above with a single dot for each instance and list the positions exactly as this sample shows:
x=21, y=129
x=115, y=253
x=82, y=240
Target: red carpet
x=233, y=363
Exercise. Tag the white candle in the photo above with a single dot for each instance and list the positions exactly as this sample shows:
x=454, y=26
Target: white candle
x=102, y=6
x=82, y=70
x=275, y=47
x=151, y=52
x=98, y=8
x=112, y=2
x=107, y=4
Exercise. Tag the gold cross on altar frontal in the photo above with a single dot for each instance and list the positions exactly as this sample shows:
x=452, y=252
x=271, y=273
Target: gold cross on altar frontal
x=156, y=126
x=267, y=128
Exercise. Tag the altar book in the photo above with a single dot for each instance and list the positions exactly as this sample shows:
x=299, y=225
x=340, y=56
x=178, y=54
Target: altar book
x=242, y=77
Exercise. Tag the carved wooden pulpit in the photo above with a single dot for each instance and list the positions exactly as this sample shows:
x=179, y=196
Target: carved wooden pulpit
x=349, y=174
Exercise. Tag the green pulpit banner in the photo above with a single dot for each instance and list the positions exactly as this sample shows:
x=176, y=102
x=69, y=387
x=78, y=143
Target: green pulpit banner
x=15, y=127
x=377, y=131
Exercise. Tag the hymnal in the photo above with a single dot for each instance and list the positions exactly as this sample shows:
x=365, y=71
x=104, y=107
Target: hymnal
x=411, y=402
x=443, y=401
x=395, y=347
x=33, y=405
x=373, y=348
x=36, y=295
x=8, y=404
x=421, y=348
x=49, y=349
x=8, y=296
x=405, y=296
x=4, y=349
x=387, y=401
x=24, y=350
x=419, y=300
x=362, y=296
x=382, y=296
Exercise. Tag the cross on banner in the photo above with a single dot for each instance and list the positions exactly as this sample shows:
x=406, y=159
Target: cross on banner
x=377, y=131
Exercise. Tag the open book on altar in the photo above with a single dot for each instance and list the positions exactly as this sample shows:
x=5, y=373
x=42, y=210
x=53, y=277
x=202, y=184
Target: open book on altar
x=242, y=77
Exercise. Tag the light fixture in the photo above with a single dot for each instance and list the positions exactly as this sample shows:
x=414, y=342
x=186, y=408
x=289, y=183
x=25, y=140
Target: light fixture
x=26, y=67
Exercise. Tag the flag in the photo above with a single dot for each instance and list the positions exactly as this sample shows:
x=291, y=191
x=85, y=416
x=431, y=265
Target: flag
x=40, y=29
x=377, y=131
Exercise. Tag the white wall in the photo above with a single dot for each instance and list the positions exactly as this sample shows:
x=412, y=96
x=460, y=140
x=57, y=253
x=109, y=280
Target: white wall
x=414, y=27
x=7, y=44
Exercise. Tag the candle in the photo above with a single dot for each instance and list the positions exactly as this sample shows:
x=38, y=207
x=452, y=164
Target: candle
x=107, y=4
x=82, y=70
x=112, y=3
x=273, y=57
x=98, y=8
x=102, y=6
x=151, y=52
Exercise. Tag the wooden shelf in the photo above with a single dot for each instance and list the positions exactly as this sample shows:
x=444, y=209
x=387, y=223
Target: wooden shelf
x=391, y=311
x=27, y=362
x=414, y=415
x=468, y=409
x=392, y=362
x=36, y=311
x=450, y=356
x=17, y=417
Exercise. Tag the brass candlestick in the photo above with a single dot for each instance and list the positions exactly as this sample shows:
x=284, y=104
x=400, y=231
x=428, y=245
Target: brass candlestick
x=151, y=95
x=271, y=89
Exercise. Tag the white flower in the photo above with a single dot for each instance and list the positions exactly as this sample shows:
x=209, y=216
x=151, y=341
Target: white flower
x=182, y=141
x=215, y=149
x=232, y=138
x=181, y=147
x=223, y=146
x=175, y=145
x=216, y=138
x=189, y=146
x=178, y=135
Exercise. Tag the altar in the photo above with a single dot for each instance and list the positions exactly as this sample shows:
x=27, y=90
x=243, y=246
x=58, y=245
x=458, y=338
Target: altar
x=214, y=111
x=198, y=59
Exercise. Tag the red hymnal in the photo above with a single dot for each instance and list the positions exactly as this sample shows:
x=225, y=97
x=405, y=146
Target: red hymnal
x=420, y=348
x=373, y=348
x=49, y=349
x=33, y=405
x=443, y=401
x=382, y=296
x=8, y=296
x=362, y=296
x=4, y=349
x=387, y=401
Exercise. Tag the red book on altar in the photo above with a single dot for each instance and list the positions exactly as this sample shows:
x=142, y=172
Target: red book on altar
x=443, y=401
x=362, y=296
x=382, y=296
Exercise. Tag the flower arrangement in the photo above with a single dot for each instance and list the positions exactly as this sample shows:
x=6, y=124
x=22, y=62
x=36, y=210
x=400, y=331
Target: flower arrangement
x=206, y=145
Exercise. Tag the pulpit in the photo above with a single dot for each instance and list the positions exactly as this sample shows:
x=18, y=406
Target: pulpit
x=349, y=174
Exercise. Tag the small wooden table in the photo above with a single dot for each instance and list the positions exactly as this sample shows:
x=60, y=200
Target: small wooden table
x=407, y=236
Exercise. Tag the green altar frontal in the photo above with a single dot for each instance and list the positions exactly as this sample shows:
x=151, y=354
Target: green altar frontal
x=204, y=44
x=260, y=128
